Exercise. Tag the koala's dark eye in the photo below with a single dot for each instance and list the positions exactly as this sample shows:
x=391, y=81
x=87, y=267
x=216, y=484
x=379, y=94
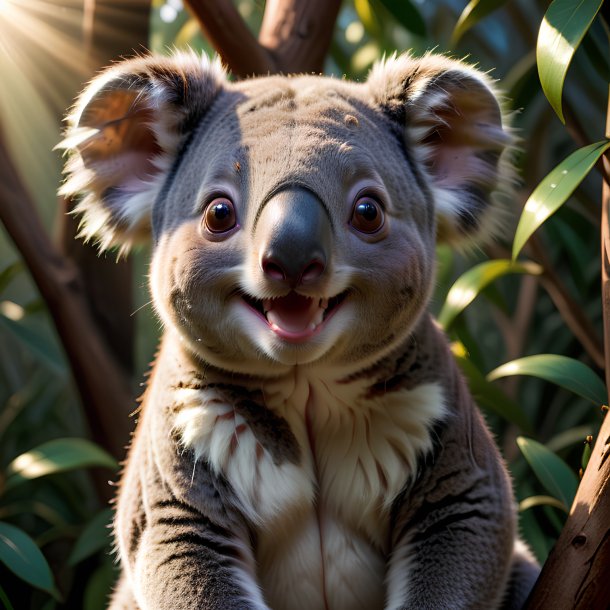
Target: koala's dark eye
x=367, y=215
x=219, y=216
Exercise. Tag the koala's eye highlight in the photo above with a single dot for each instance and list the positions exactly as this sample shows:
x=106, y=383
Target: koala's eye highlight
x=219, y=216
x=367, y=215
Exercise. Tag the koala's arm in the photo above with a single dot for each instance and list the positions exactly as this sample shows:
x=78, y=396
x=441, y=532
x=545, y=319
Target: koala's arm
x=176, y=556
x=453, y=533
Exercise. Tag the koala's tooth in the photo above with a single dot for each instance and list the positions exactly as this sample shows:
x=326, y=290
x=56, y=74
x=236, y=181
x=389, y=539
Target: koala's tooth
x=267, y=305
x=318, y=318
x=323, y=303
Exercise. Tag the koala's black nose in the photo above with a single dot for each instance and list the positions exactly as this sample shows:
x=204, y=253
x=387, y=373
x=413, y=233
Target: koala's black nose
x=295, y=231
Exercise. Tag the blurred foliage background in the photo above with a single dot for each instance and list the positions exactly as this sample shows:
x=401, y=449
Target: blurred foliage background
x=54, y=537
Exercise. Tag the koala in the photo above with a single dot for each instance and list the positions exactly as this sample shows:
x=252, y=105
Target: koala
x=306, y=440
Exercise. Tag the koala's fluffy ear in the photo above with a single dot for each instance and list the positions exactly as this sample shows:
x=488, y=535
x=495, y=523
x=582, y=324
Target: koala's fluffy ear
x=124, y=132
x=454, y=125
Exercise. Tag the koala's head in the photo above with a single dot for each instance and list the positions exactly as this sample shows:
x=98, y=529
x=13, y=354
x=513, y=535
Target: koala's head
x=293, y=219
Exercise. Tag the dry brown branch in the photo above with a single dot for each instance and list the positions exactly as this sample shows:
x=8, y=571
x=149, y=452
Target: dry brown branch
x=298, y=34
x=294, y=36
x=575, y=575
x=104, y=390
x=230, y=36
x=571, y=312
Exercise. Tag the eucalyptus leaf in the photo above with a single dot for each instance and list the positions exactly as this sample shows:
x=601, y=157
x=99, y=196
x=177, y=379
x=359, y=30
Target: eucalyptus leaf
x=94, y=537
x=533, y=501
x=470, y=284
x=366, y=16
x=8, y=273
x=568, y=438
x=564, y=25
x=55, y=456
x=472, y=14
x=489, y=396
x=566, y=372
x=99, y=587
x=19, y=553
x=407, y=14
x=5, y=600
x=45, y=351
x=555, y=189
x=554, y=474
x=586, y=452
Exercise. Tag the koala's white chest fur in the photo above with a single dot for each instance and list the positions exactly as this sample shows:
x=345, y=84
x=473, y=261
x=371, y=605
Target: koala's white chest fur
x=322, y=519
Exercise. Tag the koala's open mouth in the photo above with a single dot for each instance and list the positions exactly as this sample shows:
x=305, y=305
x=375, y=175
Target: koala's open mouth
x=295, y=317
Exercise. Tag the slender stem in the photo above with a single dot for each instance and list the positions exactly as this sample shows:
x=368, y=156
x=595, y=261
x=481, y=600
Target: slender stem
x=570, y=310
x=605, y=251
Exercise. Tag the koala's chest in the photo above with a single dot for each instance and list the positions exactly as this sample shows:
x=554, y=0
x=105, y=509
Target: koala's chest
x=316, y=467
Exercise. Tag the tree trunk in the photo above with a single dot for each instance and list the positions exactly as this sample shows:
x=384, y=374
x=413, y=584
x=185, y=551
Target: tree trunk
x=576, y=573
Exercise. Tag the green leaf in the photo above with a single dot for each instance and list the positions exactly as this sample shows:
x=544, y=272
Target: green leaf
x=366, y=16
x=42, y=349
x=407, y=14
x=567, y=438
x=586, y=452
x=554, y=474
x=488, y=395
x=99, y=587
x=533, y=501
x=562, y=29
x=93, y=538
x=55, y=456
x=21, y=556
x=8, y=273
x=561, y=370
x=470, y=284
x=555, y=189
x=472, y=14
x=5, y=600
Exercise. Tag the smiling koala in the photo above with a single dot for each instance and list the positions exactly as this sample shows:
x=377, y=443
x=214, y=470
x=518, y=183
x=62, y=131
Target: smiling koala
x=306, y=440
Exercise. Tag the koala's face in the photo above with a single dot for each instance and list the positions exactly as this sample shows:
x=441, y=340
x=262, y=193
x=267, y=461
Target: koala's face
x=293, y=230
x=294, y=219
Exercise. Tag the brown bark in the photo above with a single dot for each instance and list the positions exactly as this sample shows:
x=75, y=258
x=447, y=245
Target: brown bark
x=575, y=575
x=230, y=36
x=295, y=35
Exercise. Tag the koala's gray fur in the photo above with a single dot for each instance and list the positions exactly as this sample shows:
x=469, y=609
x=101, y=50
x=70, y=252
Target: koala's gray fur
x=306, y=440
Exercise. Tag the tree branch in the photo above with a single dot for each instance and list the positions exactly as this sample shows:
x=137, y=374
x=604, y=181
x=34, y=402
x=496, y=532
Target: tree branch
x=231, y=37
x=575, y=575
x=298, y=34
x=294, y=36
x=570, y=310
x=105, y=393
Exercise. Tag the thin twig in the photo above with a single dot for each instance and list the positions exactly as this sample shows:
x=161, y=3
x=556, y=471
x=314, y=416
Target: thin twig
x=571, y=312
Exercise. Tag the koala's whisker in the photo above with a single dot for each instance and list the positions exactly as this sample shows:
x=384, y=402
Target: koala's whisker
x=133, y=313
